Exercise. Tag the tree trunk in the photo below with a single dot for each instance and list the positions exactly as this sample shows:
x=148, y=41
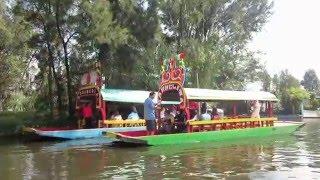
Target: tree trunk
x=50, y=91
x=51, y=65
x=103, y=56
x=293, y=109
x=66, y=61
x=1, y=103
x=180, y=28
x=57, y=82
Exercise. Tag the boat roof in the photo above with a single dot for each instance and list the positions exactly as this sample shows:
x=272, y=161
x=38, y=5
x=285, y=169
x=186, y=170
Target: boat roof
x=128, y=96
x=197, y=94
x=124, y=95
x=194, y=94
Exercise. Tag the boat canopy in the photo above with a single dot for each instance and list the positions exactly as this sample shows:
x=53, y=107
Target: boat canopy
x=129, y=96
x=124, y=95
x=196, y=94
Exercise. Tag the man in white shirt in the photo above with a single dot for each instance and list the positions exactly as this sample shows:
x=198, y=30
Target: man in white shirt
x=134, y=114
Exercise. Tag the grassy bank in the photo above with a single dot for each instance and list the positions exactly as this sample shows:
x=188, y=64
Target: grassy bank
x=12, y=122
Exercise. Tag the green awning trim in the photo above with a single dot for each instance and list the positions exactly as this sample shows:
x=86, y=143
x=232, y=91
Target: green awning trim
x=194, y=94
x=123, y=95
x=222, y=95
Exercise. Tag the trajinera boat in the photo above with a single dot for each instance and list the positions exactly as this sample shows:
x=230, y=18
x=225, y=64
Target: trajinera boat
x=217, y=128
x=103, y=101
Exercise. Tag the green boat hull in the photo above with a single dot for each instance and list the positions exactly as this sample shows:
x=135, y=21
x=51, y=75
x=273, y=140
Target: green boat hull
x=212, y=136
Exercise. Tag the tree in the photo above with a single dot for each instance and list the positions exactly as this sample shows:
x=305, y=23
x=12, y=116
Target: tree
x=296, y=96
x=311, y=82
x=128, y=38
x=281, y=85
x=215, y=34
x=15, y=55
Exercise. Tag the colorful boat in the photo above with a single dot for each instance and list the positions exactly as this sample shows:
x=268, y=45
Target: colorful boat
x=279, y=128
x=56, y=133
x=102, y=100
x=218, y=129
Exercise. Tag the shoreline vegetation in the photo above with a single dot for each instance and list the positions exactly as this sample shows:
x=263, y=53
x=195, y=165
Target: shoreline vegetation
x=11, y=123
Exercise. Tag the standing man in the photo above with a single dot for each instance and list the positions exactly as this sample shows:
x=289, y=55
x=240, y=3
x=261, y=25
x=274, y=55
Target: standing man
x=149, y=113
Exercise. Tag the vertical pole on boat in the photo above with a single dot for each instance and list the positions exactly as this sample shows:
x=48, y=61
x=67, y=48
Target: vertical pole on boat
x=234, y=109
x=198, y=86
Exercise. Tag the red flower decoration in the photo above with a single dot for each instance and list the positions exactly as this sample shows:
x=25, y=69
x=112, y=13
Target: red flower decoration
x=182, y=55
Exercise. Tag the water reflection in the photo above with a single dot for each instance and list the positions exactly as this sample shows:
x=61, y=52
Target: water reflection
x=284, y=157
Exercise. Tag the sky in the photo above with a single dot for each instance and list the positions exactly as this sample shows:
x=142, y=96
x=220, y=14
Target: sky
x=291, y=38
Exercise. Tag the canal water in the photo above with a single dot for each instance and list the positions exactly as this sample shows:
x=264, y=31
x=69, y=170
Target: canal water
x=287, y=157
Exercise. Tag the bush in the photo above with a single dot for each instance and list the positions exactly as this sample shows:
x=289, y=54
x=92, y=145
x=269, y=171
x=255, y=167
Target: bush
x=12, y=122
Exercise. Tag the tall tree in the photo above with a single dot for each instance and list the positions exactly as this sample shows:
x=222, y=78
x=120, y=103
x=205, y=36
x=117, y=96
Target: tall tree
x=215, y=34
x=66, y=23
x=40, y=14
x=15, y=54
x=311, y=82
x=287, y=88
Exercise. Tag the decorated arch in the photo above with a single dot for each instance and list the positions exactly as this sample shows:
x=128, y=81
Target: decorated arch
x=172, y=80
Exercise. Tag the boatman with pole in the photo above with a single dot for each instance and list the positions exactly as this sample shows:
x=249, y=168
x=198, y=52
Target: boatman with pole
x=149, y=113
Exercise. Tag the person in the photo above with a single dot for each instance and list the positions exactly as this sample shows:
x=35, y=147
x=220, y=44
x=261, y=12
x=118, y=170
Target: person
x=181, y=121
x=214, y=114
x=205, y=115
x=256, y=109
x=195, y=115
x=134, y=114
x=116, y=116
x=87, y=114
x=149, y=113
x=162, y=113
x=167, y=122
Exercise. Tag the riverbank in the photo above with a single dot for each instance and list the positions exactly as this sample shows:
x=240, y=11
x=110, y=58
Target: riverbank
x=12, y=122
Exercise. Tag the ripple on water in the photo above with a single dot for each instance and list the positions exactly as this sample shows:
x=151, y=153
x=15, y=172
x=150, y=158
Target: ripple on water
x=296, y=157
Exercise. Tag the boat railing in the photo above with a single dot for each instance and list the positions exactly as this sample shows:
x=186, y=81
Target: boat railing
x=122, y=123
x=224, y=124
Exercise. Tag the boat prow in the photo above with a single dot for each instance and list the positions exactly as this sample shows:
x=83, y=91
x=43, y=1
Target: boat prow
x=126, y=140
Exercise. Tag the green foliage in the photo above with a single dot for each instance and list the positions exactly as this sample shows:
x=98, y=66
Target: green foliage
x=128, y=37
x=15, y=54
x=12, y=122
x=102, y=26
x=18, y=101
x=298, y=95
x=311, y=82
x=313, y=103
x=287, y=89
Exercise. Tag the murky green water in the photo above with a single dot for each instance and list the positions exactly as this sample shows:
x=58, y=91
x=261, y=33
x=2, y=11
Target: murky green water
x=296, y=157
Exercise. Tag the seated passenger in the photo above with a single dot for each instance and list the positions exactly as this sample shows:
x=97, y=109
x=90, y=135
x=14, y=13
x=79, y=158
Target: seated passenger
x=214, y=114
x=167, y=124
x=116, y=116
x=195, y=115
x=205, y=116
x=134, y=114
x=181, y=121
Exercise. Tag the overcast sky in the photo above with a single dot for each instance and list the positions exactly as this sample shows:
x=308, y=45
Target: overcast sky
x=291, y=38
